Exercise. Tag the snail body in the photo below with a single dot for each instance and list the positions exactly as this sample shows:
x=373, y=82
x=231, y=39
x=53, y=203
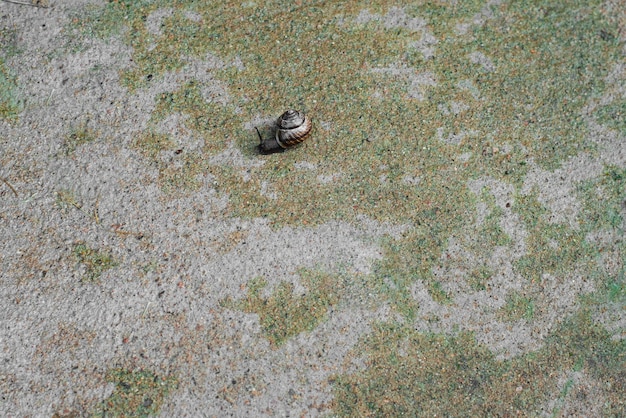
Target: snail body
x=292, y=127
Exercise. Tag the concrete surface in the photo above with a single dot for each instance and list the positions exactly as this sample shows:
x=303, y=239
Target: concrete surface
x=449, y=240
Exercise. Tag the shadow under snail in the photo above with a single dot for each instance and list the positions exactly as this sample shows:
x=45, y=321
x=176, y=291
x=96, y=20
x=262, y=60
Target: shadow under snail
x=292, y=127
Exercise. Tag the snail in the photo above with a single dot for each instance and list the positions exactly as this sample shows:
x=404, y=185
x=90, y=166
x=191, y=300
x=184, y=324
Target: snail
x=292, y=127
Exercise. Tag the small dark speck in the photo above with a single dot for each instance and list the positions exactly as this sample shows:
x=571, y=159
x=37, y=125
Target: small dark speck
x=147, y=403
x=178, y=151
x=606, y=36
x=508, y=204
x=234, y=381
x=149, y=77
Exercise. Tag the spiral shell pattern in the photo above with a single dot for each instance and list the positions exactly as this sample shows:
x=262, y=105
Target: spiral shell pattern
x=292, y=127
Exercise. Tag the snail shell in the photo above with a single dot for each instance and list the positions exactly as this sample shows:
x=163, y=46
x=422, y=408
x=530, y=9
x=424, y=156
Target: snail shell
x=292, y=127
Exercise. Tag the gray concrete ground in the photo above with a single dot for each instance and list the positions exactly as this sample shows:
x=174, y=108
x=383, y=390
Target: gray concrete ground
x=152, y=263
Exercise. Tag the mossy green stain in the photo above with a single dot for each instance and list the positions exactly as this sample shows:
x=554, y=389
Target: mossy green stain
x=283, y=314
x=478, y=278
x=10, y=103
x=412, y=373
x=79, y=136
x=604, y=200
x=613, y=115
x=518, y=306
x=151, y=143
x=137, y=393
x=95, y=261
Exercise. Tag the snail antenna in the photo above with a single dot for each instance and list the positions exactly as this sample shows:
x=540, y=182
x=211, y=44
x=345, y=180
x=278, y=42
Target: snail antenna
x=260, y=137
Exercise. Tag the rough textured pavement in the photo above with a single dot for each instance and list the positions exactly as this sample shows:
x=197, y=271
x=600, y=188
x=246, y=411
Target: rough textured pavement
x=449, y=239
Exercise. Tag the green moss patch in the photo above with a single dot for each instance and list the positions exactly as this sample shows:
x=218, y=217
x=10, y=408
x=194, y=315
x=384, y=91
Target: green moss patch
x=150, y=144
x=283, y=314
x=517, y=307
x=551, y=248
x=137, y=394
x=78, y=137
x=416, y=374
x=604, y=201
x=479, y=278
x=614, y=116
x=95, y=261
x=10, y=104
